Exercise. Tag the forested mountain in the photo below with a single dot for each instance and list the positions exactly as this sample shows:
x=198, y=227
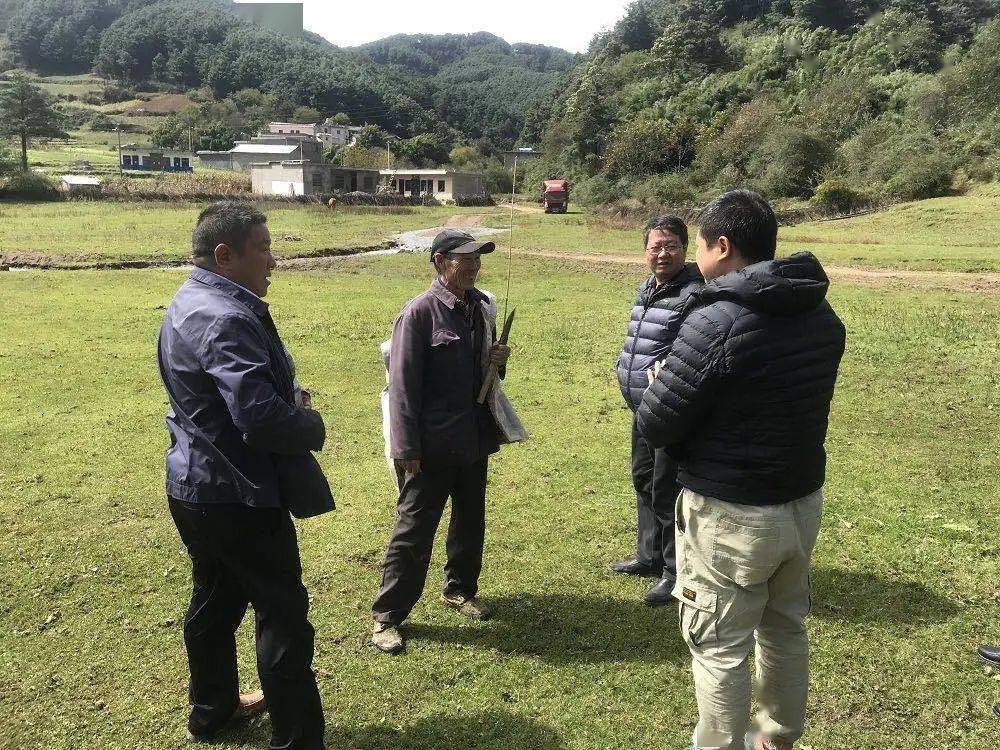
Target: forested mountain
x=457, y=87
x=478, y=83
x=859, y=99
x=840, y=101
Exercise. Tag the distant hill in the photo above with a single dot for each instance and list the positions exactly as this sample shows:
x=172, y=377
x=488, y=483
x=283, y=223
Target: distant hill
x=478, y=83
x=843, y=102
x=459, y=87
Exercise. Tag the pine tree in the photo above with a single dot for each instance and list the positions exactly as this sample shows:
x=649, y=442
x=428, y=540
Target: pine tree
x=26, y=113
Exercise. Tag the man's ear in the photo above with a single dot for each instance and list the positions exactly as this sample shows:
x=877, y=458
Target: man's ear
x=726, y=248
x=223, y=254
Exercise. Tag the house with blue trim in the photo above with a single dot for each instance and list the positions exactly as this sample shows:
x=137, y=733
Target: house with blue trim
x=148, y=159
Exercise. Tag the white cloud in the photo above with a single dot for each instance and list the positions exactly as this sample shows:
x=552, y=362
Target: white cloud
x=561, y=23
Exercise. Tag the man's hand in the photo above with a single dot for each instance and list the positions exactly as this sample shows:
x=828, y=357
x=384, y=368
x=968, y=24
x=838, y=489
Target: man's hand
x=654, y=372
x=411, y=466
x=306, y=399
x=499, y=354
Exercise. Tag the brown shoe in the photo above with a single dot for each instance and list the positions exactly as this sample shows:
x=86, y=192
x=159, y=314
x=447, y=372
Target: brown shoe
x=250, y=705
x=766, y=743
x=471, y=607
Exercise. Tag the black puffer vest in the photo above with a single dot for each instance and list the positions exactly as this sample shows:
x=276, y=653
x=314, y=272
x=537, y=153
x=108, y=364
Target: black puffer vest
x=656, y=316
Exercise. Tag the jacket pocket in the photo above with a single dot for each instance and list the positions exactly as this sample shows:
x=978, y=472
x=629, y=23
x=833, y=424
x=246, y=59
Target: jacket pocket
x=698, y=614
x=443, y=337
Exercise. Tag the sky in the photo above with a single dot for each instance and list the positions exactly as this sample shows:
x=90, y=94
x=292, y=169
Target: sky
x=569, y=24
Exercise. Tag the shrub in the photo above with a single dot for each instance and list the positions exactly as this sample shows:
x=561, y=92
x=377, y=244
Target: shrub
x=29, y=186
x=922, y=176
x=837, y=196
x=795, y=160
x=672, y=189
x=594, y=191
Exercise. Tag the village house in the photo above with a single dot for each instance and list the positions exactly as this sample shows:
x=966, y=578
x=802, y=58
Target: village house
x=294, y=178
x=156, y=159
x=78, y=185
x=327, y=132
x=262, y=149
x=442, y=184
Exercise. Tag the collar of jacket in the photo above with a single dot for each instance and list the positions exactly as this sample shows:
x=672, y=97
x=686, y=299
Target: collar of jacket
x=209, y=278
x=688, y=273
x=444, y=294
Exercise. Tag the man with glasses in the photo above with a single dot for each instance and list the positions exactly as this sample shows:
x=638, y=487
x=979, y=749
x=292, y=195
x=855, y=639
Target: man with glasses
x=441, y=436
x=656, y=316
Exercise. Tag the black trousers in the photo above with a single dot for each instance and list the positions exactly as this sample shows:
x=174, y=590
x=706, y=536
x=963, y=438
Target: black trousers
x=421, y=503
x=240, y=556
x=654, y=476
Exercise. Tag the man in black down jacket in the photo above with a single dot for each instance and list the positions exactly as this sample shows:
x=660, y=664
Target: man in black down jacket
x=742, y=401
x=656, y=316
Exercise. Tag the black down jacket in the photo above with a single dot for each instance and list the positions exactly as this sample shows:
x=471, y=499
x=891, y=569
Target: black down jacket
x=656, y=316
x=743, y=400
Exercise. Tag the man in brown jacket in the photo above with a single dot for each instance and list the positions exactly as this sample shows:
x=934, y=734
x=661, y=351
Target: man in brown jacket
x=440, y=436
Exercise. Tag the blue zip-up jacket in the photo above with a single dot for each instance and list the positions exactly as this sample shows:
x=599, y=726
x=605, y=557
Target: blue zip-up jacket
x=656, y=316
x=232, y=396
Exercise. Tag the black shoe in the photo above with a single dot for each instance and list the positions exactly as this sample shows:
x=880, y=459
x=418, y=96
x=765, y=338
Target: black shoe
x=633, y=567
x=660, y=594
x=996, y=710
x=990, y=655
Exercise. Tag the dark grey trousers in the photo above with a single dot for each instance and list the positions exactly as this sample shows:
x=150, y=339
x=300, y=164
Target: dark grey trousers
x=421, y=503
x=654, y=476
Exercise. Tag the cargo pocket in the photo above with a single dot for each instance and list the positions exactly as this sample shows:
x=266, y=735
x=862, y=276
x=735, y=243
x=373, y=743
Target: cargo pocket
x=698, y=616
x=747, y=555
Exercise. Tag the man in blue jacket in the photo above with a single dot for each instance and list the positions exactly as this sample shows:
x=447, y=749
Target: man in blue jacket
x=742, y=402
x=240, y=437
x=656, y=316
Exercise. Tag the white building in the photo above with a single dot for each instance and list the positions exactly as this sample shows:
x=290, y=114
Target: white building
x=295, y=178
x=442, y=184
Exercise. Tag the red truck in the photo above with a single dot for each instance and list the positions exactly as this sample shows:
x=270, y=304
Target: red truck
x=555, y=196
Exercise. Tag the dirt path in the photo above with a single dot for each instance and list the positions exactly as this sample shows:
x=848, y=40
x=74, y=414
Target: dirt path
x=951, y=281
x=463, y=221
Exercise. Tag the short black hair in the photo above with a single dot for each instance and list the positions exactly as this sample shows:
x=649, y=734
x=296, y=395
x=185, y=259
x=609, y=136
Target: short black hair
x=669, y=223
x=747, y=219
x=223, y=223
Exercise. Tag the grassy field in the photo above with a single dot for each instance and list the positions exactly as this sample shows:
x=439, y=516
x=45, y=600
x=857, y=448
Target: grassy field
x=94, y=579
x=957, y=234
x=83, y=231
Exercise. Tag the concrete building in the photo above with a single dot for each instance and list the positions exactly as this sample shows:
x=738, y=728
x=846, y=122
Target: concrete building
x=78, y=185
x=285, y=18
x=327, y=132
x=135, y=158
x=442, y=184
x=292, y=128
x=330, y=133
x=262, y=149
x=521, y=154
x=296, y=177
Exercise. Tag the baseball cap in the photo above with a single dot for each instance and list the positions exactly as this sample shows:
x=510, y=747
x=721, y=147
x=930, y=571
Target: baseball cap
x=460, y=243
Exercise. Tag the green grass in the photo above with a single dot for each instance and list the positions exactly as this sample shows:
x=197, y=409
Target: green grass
x=943, y=234
x=110, y=231
x=94, y=578
x=956, y=234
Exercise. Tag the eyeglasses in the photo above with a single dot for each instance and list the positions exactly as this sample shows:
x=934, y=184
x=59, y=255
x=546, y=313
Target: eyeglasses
x=657, y=249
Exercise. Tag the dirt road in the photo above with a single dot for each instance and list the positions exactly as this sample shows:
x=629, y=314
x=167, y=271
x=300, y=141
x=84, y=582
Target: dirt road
x=951, y=281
